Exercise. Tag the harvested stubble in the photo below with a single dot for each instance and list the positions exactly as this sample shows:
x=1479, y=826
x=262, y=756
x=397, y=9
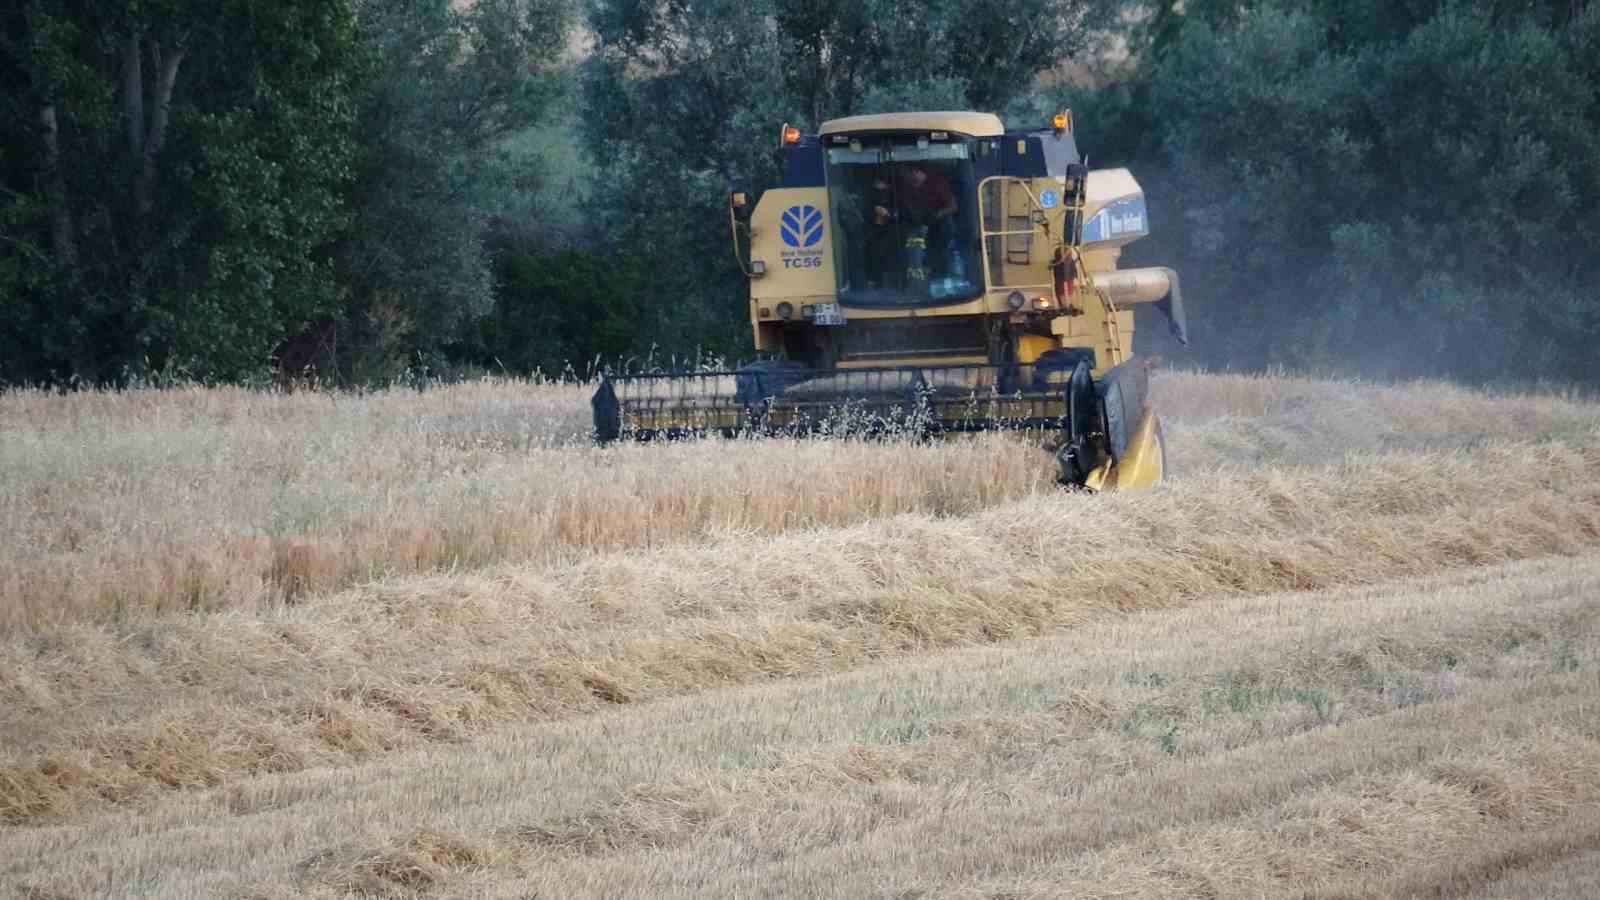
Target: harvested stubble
x=205, y=701
x=124, y=506
x=317, y=746
x=1402, y=738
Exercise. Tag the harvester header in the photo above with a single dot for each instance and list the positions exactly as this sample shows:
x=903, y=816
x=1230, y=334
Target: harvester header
x=938, y=271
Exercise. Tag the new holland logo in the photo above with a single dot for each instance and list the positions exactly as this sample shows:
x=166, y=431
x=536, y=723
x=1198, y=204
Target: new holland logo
x=802, y=226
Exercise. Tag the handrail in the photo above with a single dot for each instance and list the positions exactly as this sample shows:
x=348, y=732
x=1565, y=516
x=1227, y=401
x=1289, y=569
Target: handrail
x=1071, y=244
x=985, y=233
x=733, y=225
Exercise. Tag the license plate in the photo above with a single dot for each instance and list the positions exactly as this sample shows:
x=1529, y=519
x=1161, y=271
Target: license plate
x=828, y=314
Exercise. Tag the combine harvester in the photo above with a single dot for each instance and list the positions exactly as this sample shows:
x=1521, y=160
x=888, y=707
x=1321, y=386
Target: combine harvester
x=935, y=272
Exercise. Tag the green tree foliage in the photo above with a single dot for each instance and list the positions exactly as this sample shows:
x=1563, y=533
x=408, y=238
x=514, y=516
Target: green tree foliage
x=447, y=84
x=1414, y=191
x=1390, y=188
x=561, y=308
x=169, y=176
x=680, y=100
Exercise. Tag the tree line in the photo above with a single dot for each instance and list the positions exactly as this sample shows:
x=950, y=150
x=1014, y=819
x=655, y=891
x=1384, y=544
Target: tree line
x=350, y=190
x=225, y=189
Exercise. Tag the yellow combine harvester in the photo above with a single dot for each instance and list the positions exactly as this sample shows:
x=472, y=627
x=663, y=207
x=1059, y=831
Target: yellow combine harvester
x=937, y=272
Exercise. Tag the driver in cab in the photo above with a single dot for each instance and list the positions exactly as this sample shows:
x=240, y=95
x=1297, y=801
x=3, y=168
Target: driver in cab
x=927, y=201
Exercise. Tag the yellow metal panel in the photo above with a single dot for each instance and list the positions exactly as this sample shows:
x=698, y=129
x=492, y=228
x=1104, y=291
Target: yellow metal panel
x=1032, y=346
x=1081, y=331
x=768, y=336
x=1099, y=258
x=974, y=123
x=915, y=361
x=972, y=308
x=1101, y=478
x=1144, y=463
x=1074, y=331
x=1105, y=186
x=681, y=417
x=1017, y=251
x=791, y=232
x=770, y=304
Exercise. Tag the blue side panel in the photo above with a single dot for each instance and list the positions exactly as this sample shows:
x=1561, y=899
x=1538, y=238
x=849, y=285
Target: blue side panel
x=802, y=164
x=1030, y=162
x=1124, y=218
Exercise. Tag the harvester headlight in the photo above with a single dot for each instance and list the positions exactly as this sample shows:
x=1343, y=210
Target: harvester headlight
x=1015, y=300
x=758, y=267
x=808, y=312
x=785, y=310
x=1041, y=302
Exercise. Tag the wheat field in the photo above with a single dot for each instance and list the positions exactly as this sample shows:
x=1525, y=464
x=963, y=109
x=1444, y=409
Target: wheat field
x=432, y=643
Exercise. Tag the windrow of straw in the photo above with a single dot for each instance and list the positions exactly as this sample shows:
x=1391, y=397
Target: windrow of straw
x=1118, y=720
x=1280, y=745
x=110, y=714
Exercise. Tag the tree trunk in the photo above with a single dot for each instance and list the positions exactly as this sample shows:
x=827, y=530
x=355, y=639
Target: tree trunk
x=819, y=80
x=60, y=213
x=133, y=111
x=133, y=94
x=145, y=181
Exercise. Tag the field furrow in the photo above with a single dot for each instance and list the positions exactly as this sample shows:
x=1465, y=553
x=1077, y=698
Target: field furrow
x=1042, y=765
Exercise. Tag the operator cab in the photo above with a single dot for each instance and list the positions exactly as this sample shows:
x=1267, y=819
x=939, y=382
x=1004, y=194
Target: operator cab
x=906, y=219
x=903, y=199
